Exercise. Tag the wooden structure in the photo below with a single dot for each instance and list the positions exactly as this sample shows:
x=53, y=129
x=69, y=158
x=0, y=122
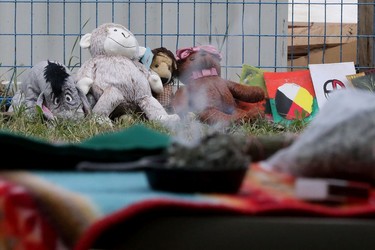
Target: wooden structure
x=317, y=42
x=321, y=43
x=366, y=31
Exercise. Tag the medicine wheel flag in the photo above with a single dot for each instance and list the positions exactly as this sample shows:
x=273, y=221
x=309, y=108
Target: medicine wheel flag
x=293, y=101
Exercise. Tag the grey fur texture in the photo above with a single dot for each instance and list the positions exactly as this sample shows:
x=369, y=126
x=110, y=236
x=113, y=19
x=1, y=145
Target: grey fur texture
x=51, y=86
x=122, y=80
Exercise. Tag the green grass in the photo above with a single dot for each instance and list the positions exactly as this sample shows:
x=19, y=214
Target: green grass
x=75, y=131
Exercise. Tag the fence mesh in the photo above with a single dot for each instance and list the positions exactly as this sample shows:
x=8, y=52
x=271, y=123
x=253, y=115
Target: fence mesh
x=274, y=35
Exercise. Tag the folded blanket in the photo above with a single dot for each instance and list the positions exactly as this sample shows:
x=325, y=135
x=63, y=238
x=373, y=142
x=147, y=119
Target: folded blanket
x=125, y=145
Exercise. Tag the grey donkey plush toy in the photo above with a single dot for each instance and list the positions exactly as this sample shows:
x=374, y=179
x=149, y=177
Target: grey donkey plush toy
x=114, y=77
x=50, y=86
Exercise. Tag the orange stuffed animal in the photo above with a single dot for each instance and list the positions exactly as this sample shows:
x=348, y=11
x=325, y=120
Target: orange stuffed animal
x=209, y=96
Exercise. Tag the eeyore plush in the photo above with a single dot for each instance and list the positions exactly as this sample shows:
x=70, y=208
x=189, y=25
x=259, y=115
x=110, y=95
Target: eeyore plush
x=51, y=86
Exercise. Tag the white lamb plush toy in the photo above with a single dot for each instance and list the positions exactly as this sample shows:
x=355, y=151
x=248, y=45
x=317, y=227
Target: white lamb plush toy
x=116, y=72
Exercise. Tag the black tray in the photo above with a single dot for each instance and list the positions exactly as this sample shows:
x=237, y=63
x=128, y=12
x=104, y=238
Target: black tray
x=194, y=180
x=177, y=179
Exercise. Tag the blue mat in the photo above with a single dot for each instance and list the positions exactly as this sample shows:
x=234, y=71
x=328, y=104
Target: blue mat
x=110, y=191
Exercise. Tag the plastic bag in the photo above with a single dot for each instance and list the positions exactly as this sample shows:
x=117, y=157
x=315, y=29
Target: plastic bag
x=338, y=143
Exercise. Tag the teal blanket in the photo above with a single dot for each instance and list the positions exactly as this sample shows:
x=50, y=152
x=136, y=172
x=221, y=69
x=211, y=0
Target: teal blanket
x=126, y=145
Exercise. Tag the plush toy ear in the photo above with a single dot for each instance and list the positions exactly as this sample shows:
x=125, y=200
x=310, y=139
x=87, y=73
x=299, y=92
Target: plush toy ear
x=85, y=41
x=174, y=64
x=85, y=102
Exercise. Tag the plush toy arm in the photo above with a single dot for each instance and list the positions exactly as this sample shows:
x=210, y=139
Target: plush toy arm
x=180, y=102
x=239, y=116
x=85, y=74
x=155, y=82
x=142, y=51
x=86, y=107
x=85, y=84
x=246, y=93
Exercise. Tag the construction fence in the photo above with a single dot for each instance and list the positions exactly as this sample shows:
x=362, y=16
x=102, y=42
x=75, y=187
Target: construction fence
x=273, y=35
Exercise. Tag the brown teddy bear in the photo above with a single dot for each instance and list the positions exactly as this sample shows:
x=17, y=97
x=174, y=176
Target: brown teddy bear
x=206, y=94
x=164, y=64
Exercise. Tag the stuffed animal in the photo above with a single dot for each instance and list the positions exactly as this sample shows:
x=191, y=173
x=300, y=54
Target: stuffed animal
x=50, y=86
x=131, y=49
x=164, y=64
x=209, y=96
x=119, y=78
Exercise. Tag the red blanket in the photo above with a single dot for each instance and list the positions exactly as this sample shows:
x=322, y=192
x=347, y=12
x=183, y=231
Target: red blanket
x=38, y=215
x=262, y=193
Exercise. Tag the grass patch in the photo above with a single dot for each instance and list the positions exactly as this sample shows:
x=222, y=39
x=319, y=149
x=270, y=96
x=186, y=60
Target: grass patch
x=75, y=131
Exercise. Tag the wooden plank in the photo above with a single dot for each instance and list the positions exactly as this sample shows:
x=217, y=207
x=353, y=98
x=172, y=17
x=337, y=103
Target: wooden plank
x=321, y=33
x=366, y=31
x=304, y=37
x=342, y=53
x=303, y=50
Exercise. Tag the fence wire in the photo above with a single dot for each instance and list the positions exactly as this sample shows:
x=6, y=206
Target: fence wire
x=273, y=35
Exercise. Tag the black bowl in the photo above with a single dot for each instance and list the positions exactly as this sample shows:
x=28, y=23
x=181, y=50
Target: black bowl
x=184, y=180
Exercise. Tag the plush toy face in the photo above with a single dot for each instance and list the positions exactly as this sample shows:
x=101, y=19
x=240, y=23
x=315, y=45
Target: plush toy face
x=164, y=64
x=111, y=39
x=120, y=42
x=197, y=61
